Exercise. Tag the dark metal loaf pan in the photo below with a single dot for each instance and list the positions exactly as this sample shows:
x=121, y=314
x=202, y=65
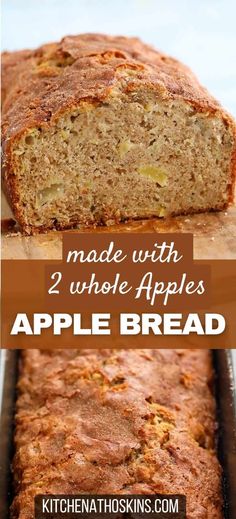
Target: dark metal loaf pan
x=226, y=400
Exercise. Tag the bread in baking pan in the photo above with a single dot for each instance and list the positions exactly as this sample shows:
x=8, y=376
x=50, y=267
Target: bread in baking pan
x=100, y=129
x=117, y=422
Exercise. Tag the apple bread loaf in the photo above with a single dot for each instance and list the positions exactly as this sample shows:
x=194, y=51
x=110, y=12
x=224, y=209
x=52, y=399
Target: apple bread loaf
x=117, y=422
x=100, y=129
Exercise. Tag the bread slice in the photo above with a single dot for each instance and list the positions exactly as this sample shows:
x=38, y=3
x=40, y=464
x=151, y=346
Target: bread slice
x=100, y=129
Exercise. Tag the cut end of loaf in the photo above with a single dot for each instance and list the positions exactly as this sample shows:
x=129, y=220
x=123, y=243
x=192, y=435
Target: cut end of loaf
x=134, y=156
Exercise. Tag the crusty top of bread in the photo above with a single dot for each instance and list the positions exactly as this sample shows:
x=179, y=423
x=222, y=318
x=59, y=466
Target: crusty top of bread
x=117, y=421
x=40, y=84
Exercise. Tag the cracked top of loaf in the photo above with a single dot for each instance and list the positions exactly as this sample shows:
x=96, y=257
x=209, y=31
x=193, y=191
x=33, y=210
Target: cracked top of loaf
x=117, y=422
x=40, y=84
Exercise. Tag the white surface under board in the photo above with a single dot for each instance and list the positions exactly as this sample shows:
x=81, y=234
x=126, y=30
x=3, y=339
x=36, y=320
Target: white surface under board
x=199, y=32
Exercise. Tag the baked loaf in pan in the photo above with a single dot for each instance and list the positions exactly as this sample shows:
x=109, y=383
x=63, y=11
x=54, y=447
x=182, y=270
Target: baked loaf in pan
x=117, y=422
x=100, y=129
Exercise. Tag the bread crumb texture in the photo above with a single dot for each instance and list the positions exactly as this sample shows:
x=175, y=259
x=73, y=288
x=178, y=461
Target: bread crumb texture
x=100, y=129
x=117, y=422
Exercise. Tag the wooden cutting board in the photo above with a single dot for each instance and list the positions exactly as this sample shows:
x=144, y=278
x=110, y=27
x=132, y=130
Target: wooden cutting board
x=214, y=235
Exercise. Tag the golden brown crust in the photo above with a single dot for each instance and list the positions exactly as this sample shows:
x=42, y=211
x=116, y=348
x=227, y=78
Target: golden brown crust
x=118, y=422
x=41, y=84
x=49, y=80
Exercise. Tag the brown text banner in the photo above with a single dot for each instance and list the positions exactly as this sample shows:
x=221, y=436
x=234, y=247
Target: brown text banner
x=120, y=290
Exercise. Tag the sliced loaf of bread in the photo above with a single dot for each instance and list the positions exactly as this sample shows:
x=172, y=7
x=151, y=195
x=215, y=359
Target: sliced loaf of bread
x=100, y=129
